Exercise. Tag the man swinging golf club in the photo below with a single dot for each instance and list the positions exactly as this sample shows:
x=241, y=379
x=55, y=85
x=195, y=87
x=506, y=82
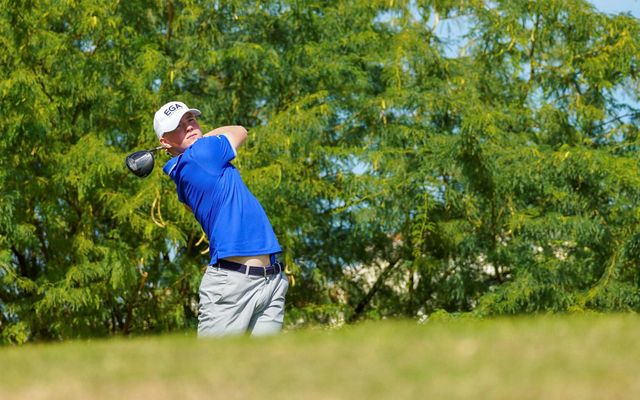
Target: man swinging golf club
x=243, y=288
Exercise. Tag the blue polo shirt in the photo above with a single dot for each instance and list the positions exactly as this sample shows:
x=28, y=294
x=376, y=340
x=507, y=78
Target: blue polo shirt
x=229, y=213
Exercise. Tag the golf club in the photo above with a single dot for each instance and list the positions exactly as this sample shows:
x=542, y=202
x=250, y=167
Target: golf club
x=141, y=162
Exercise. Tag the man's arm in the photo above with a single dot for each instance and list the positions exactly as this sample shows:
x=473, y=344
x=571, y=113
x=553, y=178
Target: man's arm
x=235, y=133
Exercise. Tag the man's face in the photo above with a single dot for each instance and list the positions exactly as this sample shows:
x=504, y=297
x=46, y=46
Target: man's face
x=187, y=132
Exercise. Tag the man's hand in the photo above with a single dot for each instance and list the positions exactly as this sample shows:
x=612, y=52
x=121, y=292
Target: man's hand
x=235, y=133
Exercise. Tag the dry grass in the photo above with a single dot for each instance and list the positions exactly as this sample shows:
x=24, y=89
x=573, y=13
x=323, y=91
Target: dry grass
x=569, y=357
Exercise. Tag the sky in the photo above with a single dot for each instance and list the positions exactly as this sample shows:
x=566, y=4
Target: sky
x=617, y=6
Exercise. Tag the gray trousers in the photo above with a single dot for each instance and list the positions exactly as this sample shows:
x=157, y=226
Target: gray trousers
x=232, y=303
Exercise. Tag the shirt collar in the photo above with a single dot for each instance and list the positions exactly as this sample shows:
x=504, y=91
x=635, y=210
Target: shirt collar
x=170, y=165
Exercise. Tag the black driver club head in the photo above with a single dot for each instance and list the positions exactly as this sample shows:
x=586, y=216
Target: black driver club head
x=141, y=162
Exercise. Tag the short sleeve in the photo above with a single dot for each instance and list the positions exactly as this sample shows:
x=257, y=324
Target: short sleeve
x=213, y=152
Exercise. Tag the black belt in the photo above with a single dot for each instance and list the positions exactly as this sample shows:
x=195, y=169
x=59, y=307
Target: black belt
x=259, y=271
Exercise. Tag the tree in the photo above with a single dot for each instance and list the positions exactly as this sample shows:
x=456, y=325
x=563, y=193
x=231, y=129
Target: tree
x=501, y=180
x=519, y=162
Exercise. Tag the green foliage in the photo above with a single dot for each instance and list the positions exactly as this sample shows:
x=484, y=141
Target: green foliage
x=400, y=179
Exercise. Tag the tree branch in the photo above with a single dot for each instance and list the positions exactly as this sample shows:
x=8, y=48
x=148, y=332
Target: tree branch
x=22, y=262
x=618, y=118
x=364, y=302
x=127, y=323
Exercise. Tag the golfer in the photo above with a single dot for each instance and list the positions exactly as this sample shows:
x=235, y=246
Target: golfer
x=243, y=288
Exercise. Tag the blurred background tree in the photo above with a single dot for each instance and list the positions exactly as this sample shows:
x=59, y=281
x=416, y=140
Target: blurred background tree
x=400, y=179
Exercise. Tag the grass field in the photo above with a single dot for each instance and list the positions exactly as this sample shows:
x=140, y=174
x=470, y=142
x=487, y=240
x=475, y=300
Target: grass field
x=560, y=357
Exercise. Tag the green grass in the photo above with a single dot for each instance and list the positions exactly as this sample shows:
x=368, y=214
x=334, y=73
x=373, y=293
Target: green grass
x=561, y=357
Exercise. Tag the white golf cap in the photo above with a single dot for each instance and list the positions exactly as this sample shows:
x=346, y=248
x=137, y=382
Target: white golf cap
x=168, y=117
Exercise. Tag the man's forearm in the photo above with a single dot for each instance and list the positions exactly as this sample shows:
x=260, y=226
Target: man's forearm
x=226, y=129
x=237, y=134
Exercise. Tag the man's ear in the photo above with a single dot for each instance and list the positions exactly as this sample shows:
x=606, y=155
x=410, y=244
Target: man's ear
x=165, y=143
x=167, y=146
